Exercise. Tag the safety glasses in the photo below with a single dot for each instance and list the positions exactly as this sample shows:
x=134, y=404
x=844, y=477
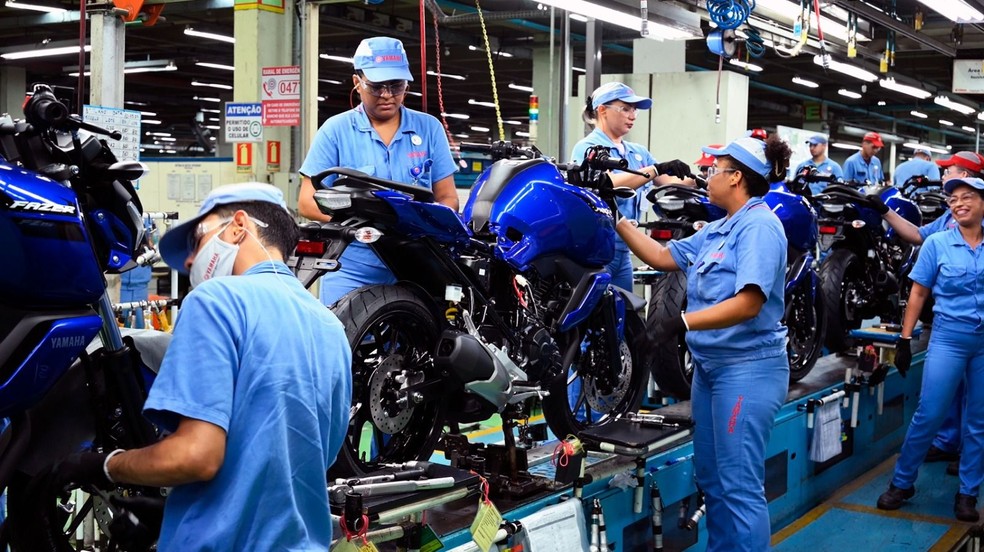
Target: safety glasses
x=393, y=88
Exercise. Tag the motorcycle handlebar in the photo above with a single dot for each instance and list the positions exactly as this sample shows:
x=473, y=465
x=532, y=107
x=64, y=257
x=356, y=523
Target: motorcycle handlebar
x=43, y=110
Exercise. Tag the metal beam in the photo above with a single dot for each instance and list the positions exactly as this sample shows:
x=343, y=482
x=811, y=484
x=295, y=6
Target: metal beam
x=877, y=16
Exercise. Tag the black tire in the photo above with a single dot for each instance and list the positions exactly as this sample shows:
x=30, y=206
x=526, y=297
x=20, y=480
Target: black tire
x=672, y=368
x=34, y=520
x=407, y=328
x=600, y=399
x=806, y=320
x=844, y=285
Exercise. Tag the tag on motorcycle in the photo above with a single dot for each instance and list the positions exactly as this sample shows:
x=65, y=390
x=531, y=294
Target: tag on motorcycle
x=486, y=525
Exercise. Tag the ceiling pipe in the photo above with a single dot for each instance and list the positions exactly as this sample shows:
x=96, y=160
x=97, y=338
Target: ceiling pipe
x=885, y=20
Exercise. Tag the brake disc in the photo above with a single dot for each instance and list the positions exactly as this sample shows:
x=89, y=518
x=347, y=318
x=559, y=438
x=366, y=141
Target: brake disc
x=604, y=403
x=384, y=389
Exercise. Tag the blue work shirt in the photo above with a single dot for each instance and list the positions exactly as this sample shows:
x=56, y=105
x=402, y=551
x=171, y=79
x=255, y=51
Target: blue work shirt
x=638, y=158
x=945, y=222
x=748, y=248
x=955, y=274
x=260, y=357
x=855, y=169
x=418, y=154
x=826, y=167
x=915, y=167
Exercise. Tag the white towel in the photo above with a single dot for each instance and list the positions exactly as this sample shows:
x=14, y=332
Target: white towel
x=826, y=432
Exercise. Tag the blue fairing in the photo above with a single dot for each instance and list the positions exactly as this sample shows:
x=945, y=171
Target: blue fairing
x=55, y=351
x=537, y=214
x=599, y=285
x=799, y=219
x=417, y=219
x=902, y=205
x=46, y=254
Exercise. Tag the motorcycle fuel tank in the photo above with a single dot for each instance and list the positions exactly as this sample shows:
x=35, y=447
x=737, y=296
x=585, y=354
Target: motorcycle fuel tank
x=534, y=213
x=799, y=219
x=45, y=253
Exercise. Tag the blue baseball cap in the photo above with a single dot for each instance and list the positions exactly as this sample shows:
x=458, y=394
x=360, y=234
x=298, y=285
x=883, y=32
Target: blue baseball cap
x=817, y=139
x=923, y=150
x=746, y=150
x=612, y=91
x=382, y=59
x=975, y=183
x=174, y=247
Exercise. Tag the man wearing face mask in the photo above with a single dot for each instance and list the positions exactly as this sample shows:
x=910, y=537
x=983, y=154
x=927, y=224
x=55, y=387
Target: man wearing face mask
x=255, y=389
x=383, y=138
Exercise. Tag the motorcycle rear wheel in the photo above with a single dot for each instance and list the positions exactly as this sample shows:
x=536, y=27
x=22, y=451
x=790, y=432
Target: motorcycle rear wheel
x=845, y=289
x=592, y=400
x=392, y=332
x=672, y=368
x=805, y=341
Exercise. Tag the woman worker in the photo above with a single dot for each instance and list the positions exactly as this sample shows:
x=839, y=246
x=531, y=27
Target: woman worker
x=612, y=109
x=951, y=267
x=735, y=272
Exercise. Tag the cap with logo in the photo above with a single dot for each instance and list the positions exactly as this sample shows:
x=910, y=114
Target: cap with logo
x=382, y=59
x=746, y=150
x=174, y=248
x=817, y=139
x=706, y=159
x=874, y=138
x=612, y=91
x=966, y=160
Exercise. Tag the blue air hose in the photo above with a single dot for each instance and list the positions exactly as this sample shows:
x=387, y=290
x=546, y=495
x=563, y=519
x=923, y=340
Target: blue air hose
x=729, y=14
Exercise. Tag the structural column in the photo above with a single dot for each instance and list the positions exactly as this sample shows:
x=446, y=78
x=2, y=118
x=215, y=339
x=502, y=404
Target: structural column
x=13, y=86
x=106, y=60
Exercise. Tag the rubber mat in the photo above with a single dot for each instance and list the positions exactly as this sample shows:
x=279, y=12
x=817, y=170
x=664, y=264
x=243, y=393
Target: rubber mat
x=849, y=520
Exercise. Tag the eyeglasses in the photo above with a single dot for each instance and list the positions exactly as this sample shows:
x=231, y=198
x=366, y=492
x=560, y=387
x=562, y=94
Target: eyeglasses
x=962, y=198
x=202, y=230
x=627, y=109
x=397, y=88
x=953, y=169
x=712, y=170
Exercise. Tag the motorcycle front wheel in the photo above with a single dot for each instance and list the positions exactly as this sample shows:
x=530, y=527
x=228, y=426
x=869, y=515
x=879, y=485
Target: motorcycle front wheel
x=589, y=395
x=392, y=332
x=846, y=294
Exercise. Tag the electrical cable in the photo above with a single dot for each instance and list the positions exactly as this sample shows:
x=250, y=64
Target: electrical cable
x=729, y=14
x=423, y=58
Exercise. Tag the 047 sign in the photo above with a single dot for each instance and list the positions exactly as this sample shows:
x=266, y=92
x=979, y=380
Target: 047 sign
x=280, y=90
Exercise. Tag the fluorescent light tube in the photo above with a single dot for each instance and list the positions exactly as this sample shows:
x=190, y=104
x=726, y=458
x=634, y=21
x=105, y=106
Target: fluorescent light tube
x=44, y=52
x=149, y=122
x=806, y=83
x=521, y=88
x=456, y=116
x=522, y=134
x=948, y=103
x=954, y=10
x=483, y=104
x=500, y=53
x=790, y=11
x=933, y=149
x=445, y=75
x=203, y=110
x=849, y=93
x=745, y=65
x=657, y=31
x=944, y=122
x=847, y=69
x=968, y=129
x=211, y=85
x=842, y=145
x=215, y=66
x=342, y=59
x=34, y=7
x=913, y=91
x=213, y=36
x=207, y=99
x=479, y=128
x=919, y=114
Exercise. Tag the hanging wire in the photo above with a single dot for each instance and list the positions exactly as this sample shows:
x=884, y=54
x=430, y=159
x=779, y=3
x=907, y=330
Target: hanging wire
x=754, y=44
x=488, y=55
x=729, y=14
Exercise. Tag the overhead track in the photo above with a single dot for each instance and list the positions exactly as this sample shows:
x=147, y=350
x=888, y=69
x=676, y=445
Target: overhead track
x=877, y=16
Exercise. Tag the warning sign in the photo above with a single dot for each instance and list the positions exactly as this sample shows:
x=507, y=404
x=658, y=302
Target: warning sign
x=244, y=122
x=280, y=90
x=273, y=155
x=244, y=158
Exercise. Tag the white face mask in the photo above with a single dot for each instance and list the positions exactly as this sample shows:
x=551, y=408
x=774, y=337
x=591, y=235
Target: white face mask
x=214, y=260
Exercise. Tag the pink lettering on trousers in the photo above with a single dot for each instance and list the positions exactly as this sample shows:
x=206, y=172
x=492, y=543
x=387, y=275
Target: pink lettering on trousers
x=734, y=414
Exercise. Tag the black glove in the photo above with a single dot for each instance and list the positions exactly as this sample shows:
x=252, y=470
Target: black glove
x=138, y=523
x=675, y=168
x=903, y=355
x=876, y=203
x=671, y=328
x=78, y=470
x=606, y=191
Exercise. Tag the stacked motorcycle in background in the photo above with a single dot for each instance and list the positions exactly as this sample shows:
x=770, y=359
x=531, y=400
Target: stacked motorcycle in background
x=68, y=213
x=682, y=211
x=508, y=303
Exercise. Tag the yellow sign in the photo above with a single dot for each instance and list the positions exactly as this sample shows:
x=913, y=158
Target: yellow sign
x=275, y=6
x=486, y=525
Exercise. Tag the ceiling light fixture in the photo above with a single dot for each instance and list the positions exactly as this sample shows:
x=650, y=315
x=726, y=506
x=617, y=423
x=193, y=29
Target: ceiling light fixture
x=657, y=31
x=215, y=66
x=44, y=52
x=412, y=93
x=882, y=103
x=479, y=128
x=148, y=113
x=579, y=69
x=456, y=116
x=946, y=123
x=207, y=99
x=499, y=53
x=913, y=145
x=968, y=129
x=949, y=103
x=330, y=81
x=157, y=134
x=521, y=88
x=203, y=110
x=842, y=145
x=791, y=11
x=806, y=83
x=211, y=85
x=745, y=65
x=483, y=104
x=522, y=134
x=342, y=59
x=846, y=68
x=954, y=10
x=213, y=36
x=919, y=114
x=149, y=122
x=849, y=93
x=34, y=7
x=445, y=75
x=913, y=91
x=514, y=123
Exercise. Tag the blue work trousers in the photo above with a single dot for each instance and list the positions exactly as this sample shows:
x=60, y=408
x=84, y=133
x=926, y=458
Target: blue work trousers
x=948, y=437
x=734, y=409
x=955, y=353
x=621, y=269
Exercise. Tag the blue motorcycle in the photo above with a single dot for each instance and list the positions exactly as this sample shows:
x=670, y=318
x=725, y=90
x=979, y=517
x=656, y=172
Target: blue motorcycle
x=506, y=303
x=865, y=260
x=683, y=211
x=68, y=213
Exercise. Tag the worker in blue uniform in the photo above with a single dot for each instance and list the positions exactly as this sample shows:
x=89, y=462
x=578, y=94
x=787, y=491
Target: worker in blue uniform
x=612, y=109
x=864, y=167
x=951, y=267
x=818, y=158
x=921, y=164
x=735, y=272
x=382, y=138
x=254, y=390
x=962, y=164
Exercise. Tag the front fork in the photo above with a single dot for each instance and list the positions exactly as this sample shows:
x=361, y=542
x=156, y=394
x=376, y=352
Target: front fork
x=614, y=323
